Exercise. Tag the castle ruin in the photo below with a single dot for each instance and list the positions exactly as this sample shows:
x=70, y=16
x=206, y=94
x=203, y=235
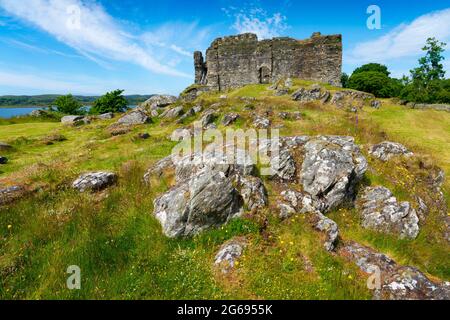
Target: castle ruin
x=240, y=60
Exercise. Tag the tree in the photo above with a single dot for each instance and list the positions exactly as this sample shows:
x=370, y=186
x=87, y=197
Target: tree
x=112, y=101
x=344, y=80
x=375, y=67
x=375, y=82
x=68, y=105
x=430, y=66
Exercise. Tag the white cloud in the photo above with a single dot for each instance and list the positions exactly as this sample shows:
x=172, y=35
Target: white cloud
x=98, y=37
x=257, y=21
x=406, y=40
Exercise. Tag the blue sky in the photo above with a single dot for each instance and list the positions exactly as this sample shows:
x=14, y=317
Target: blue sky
x=92, y=46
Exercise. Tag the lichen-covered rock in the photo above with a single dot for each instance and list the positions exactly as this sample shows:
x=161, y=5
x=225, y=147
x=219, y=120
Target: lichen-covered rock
x=229, y=253
x=381, y=211
x=253, y=192
x=39, y=113
x=283, y=165
x=172, y=113
x=159, y=101
x=261, y=122
x=315, y=93
x=206, y=200
x=327, y=226
x=94, y=181
x=106, y=116
x=229, y=118
x=134, y=117
x=387, y=150
x=331, y=169
x=3, y=160
x=74, y=120
x=395, y=282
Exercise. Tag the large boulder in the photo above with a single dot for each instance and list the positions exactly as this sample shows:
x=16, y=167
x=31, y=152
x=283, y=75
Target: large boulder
x=207, y=200
x=74, y=120
x=381, y=211
x=229, y=253
x=331, y=169
x=159, y=101
x=106, y=116
x=172, y=113
x=260, y=122
x=94, y=181
x=387, y=150
x=134, y=117
x=396, y=282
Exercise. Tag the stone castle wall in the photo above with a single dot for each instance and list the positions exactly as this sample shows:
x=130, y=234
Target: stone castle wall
x=240, y=60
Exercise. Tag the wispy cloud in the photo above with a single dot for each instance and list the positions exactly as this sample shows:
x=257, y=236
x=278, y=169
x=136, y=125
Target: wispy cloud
x=258, y=21
x=406, y=40
x=98, y=37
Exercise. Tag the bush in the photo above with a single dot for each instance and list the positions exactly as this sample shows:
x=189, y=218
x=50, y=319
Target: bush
x=344, y=80
x=375, y=82
x=111, y=102
x=68, y=105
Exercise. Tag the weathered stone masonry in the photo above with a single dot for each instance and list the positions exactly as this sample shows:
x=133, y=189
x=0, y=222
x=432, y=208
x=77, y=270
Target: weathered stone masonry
x=240, y=60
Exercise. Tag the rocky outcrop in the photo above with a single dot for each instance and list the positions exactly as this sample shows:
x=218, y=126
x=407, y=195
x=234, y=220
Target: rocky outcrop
x=253, y=192
x=331, y=169
x=240, y=60
x=210, y=190
x=380, y=211
x=94, y=181
x=328, y=227
x=208, y=118
x=387, y=150
x=229, y=253
x=206, y=200
x=75, y=120
x=106, y=116
x=118, y=129
x=172, y=113
x=134, y=117
x=424, y=106
x=395, y=282
x=158, y=101
x=260, y=122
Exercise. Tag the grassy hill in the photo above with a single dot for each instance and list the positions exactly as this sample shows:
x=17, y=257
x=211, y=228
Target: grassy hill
x=119, y=245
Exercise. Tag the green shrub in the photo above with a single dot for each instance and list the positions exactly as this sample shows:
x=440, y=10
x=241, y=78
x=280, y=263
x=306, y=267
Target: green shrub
x=375, y=67
x=68, y=105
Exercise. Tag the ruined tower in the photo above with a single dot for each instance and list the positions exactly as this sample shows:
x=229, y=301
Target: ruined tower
x=240, y=60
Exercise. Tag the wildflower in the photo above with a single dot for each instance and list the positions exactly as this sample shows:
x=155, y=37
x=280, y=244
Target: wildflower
x=9, y=226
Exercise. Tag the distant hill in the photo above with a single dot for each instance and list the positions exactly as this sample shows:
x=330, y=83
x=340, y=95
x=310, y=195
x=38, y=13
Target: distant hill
x=48, y=99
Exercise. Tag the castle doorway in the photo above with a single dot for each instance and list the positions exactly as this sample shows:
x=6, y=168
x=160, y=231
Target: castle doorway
x=264, y=75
